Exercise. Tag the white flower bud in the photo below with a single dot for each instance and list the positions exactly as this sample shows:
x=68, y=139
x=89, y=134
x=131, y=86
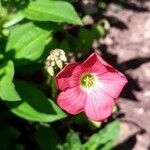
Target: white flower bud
x=52, y=57
x=50, y=70
x=55, y=60
x=62, y=52
x=48, y=58
x=63, y=57
x=59, y=64
x=53, y=63
x=57, y=53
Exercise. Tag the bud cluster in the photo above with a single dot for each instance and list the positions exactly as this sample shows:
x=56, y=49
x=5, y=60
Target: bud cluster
x=55, y=60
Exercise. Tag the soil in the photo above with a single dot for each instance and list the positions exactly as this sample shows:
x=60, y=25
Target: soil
x=127, y=47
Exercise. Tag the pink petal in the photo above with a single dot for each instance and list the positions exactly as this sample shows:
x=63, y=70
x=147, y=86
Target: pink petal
x=64, y=76
x=93, y=64
x=112, y=83
x=76, y=75
x=99, y=105
x=104, y=62
x=72, y=100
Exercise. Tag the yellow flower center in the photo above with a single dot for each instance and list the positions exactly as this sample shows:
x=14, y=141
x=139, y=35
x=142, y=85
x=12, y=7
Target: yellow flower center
x=87, y=80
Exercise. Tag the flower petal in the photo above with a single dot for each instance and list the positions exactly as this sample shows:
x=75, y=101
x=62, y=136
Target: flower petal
x=63, y=77
x=112, y=83
x=72, y=100
x=99, y=105
x=93, y=64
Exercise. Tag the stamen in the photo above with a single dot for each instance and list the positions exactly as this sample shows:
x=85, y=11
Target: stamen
x=87, y=80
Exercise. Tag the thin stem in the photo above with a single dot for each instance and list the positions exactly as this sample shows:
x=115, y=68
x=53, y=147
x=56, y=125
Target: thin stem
x=53, y=87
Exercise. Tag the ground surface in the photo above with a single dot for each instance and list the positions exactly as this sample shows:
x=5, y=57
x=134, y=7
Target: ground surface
x=128, y=47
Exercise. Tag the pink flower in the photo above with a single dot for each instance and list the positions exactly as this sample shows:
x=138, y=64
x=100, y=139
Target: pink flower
x=91, y=87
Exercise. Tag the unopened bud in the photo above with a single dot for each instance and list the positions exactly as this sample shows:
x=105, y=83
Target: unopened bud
x=55, y=60
x=50, y=70
x=53, y=63
x=63, y=58
x=59, y=64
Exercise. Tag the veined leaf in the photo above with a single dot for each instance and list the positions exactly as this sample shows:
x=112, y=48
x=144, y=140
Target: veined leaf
x=35, y=106
x=13, y=19
x=7, y=88
x=104, y=139
x=48, y=10
x=26, y=43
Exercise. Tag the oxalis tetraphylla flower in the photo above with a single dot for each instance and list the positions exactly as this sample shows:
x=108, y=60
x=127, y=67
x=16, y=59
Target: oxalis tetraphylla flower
x=91, y=87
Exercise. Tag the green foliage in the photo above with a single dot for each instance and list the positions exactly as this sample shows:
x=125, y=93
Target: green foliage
x=35, y=106
x=104, y=139
x=7, y=87
x=47, y=10
x=13, y=19
x=26, y=43
x=29, y=115
x=72, y=142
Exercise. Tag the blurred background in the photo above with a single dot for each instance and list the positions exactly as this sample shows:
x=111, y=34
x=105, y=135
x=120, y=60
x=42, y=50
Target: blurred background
x=119, y=30
x=128, y=46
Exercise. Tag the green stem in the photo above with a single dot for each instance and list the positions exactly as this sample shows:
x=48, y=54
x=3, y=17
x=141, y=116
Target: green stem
x=54, y=88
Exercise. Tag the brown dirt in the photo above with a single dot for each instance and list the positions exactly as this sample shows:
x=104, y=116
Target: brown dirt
x=128, y=44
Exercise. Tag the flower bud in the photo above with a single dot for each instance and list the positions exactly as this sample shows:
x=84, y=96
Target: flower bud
x=59, y=64
x=63, y=57
x=55, y=60
x=50, y=70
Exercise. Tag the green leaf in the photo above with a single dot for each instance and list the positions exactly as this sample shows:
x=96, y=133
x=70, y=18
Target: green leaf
x=7, y=68
x=104, y=139
x=48, y=10
x=7, y=88
x=86, y=38
x=13, y=19
x=26, y=43
x=47, y=138
x=72, y=141
x=35, y=106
